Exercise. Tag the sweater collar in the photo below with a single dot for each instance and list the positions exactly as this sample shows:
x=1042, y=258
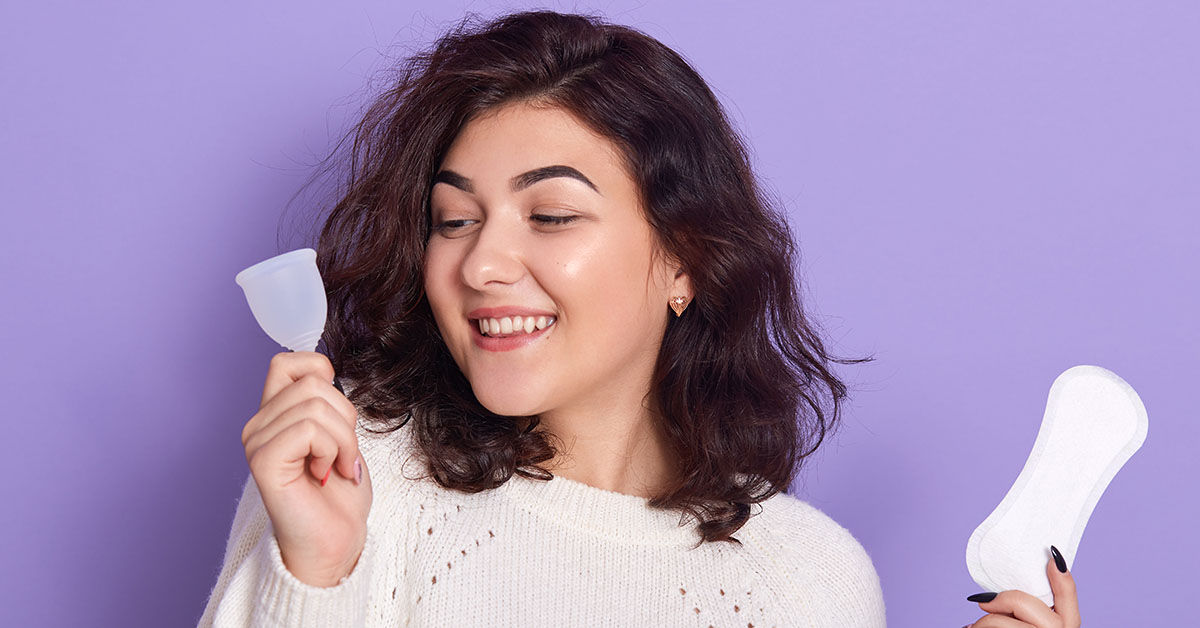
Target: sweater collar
x=616, y=516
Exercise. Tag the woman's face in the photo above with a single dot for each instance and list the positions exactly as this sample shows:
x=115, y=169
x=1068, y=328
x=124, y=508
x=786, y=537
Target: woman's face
x=535, y=215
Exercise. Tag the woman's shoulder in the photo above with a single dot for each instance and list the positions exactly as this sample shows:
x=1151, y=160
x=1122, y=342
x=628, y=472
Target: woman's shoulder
x=823, y=559
x=801, y=522
x=804, y=529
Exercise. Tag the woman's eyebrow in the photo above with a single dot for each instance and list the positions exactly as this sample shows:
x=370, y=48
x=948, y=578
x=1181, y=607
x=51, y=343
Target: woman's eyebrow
x=519, y=182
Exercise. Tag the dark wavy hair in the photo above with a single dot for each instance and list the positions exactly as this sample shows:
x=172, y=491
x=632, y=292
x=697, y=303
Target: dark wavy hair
x=743, y=382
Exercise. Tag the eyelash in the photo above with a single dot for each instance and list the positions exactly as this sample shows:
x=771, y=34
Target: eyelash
x=547, y=220
x=554, y=220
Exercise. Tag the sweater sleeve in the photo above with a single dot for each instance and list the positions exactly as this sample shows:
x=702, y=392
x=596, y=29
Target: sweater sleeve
x=255, y=588
x=855, y=586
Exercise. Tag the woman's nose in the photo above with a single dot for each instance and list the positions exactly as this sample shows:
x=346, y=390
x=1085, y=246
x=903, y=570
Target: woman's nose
x=494, y=255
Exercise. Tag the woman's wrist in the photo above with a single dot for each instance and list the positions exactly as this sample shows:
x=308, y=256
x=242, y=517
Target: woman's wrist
x=326, y=577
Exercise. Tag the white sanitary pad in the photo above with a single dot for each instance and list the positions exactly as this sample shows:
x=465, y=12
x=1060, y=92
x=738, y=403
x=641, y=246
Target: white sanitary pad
x=1094, y=422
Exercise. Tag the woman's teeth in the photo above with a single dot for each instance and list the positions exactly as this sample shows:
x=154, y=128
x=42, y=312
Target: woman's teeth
x=497, y=327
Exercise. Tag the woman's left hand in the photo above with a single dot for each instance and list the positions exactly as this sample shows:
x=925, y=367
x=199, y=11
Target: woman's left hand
x=1017, y=609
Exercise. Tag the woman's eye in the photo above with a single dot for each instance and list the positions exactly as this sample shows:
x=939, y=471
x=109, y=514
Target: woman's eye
x=449, y=225
x=546, y=219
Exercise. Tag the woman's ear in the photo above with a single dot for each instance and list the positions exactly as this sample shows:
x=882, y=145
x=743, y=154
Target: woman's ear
x=672, y=276
x=682, y=285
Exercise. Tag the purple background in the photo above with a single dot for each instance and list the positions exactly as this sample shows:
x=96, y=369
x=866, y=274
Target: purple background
x=985, y=196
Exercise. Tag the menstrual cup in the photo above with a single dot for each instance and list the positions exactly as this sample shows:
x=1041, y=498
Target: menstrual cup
x=287, y=298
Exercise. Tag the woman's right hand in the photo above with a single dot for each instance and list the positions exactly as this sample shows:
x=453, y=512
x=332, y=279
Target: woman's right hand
x=1018, y=609
x=303, y=432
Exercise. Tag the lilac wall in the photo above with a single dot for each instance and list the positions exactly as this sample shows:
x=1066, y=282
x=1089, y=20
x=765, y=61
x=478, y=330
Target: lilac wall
x=985, y=196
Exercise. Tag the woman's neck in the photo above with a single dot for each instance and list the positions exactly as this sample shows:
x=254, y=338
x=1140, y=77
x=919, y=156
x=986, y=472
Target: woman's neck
x=613, y=448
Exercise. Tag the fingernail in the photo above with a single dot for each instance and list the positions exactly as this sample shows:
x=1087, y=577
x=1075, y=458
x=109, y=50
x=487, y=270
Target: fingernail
x=1058, y=560
x=326, y=478
x=982, y=597
x=358, y=470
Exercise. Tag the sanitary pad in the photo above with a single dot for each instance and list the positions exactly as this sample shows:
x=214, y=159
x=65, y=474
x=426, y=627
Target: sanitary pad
x=1094, y=422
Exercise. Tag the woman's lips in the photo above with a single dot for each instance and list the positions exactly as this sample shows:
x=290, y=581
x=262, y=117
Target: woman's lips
x=507, y=343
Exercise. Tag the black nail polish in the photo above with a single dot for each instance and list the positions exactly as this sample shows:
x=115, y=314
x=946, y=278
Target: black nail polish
x=1058, y=560
x=982, y=597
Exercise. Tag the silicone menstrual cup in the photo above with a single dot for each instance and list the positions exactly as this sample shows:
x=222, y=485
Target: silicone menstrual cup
x=287, y=298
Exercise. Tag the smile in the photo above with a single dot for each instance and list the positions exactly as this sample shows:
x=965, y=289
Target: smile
x=508, y=333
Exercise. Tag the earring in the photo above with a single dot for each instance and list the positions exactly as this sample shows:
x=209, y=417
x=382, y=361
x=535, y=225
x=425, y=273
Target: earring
x=678, y=304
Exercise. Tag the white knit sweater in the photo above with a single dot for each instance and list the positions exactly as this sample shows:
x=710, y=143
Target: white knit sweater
x=557, y=553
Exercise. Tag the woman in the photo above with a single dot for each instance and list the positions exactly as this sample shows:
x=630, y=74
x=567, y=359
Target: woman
x=557, y=294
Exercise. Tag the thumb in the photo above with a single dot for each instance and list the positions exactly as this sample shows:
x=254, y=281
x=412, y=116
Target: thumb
x=1062, y=583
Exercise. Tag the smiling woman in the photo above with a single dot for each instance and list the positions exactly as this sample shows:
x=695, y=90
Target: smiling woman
x=556, y=286
x=587, y=376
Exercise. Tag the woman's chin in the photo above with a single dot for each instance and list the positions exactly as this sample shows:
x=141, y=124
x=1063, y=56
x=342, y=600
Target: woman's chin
x=505, y=403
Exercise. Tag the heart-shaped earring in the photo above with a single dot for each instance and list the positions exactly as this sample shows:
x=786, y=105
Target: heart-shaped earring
x=678, y=304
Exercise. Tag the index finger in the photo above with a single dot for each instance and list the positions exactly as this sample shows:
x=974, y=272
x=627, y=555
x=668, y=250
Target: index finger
x=288, y=367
